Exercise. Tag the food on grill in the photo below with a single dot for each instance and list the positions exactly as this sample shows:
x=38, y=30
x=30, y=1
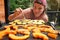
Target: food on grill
x=48, y=30
x=30, y=26
x=38, y=22
x=15, y=22
x=36, y=30
x=25, y=27
x=13, y=28
x=12, y=36
x=38, y=34
x=45, y=26
x=3, y=33
x=52, y=35
x=26, y=21
x=12, y=23
x=25, y=32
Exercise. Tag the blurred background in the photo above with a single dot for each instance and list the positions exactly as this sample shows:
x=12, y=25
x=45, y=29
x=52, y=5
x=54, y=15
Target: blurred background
x=53, y=9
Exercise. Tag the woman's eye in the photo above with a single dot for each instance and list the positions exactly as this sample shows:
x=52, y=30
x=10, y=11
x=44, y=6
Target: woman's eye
x=40, y=8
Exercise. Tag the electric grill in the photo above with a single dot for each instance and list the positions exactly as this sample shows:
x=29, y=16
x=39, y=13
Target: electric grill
x=7, y=11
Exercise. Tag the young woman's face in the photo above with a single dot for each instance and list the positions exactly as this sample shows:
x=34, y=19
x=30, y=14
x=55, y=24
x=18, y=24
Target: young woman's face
x=38, y=9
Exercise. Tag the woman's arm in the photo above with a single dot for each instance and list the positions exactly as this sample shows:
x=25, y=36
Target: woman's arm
x=23, y=14
x=15, y=14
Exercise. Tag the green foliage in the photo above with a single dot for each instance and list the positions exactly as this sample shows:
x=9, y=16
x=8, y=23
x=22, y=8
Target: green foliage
x=19, y=3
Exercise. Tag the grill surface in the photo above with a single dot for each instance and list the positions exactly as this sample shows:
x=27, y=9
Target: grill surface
x=30, y=38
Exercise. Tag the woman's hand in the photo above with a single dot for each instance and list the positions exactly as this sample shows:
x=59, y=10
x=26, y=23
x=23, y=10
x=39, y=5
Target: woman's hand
x=15, y=14
x=17, y=11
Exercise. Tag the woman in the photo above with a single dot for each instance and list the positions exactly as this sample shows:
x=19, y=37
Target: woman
x=36, y=12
